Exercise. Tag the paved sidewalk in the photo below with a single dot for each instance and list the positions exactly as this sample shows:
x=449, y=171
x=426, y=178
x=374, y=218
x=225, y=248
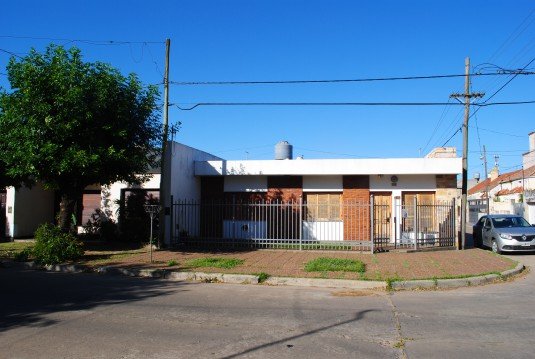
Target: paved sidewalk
x=284, y=263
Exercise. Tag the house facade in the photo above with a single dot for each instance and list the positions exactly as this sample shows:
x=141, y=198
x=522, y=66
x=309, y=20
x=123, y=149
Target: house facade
x=334, y=195
x=508, y=193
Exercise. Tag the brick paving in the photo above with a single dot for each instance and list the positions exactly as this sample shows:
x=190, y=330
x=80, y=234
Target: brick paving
x=290, y=263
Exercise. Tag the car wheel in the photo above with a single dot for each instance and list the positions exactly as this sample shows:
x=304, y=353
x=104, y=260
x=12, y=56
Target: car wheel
x=495, y=247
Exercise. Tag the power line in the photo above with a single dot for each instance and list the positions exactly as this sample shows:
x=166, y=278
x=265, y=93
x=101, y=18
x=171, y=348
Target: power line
x=275, y=82
x=204, y=104
x=11, y=53
x=449, y=139
x=91, y=42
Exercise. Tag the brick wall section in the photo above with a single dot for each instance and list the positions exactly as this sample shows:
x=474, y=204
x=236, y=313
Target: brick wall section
x=446, y=181
x=355, y=213
x=285, y=188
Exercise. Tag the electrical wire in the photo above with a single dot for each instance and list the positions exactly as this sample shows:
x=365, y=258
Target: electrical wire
x=204, y=104
x=11, y=53
x=91, y=42
x=277, y=82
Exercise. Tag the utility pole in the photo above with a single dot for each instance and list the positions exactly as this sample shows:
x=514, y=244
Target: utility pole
x=484, y=158
x=164, y=180
x=467, y=96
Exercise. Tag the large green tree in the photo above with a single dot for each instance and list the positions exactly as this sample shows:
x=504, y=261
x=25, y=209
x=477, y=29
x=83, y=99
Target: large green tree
x=68, y=124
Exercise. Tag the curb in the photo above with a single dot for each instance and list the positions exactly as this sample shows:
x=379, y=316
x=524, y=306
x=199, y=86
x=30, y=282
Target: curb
x=457, y=282
x=275, y=281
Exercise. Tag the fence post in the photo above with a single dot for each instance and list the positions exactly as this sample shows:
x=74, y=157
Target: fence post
x=454, y=223
x=415, y=224
x=372, y=205
x=300, y=223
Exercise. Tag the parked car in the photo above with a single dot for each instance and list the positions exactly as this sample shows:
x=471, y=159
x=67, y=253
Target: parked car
x=504, y=233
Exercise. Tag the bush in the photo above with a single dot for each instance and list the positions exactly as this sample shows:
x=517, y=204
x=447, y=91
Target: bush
x=101, y=227
x=52, y=246
x=23, y=255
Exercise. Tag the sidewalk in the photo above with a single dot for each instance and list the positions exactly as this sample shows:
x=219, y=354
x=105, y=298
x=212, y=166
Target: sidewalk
x=285, y=263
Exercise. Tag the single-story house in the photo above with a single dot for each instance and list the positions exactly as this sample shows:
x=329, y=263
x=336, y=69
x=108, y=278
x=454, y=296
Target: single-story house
x=283, y=198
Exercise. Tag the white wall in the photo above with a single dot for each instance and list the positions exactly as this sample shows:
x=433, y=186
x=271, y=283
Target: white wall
x=245, y=184
x=29, y=208
x=184, y=184
x=398, y=166
x=405, y=183
x=111, y=194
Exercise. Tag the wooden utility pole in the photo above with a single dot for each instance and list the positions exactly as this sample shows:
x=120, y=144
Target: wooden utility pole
x=467, y=96
x=164, y=180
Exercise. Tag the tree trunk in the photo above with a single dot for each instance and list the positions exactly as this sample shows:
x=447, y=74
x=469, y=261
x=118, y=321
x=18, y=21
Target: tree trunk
x=67, y=207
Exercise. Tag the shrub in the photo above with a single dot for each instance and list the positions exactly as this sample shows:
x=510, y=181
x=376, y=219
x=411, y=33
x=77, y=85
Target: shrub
x=172, y=263
x=324, y=264
x=52, y=246
x=23, y=255
x=100, y=226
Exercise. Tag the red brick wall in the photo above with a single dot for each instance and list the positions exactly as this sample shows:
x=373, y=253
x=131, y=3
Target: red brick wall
x=355, y=213
x=285, y=188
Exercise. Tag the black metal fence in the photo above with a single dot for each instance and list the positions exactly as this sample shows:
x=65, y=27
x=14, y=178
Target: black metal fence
x=341, y=225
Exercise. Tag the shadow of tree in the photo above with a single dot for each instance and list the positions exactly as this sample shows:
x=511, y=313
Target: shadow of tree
x=358, y=316
x=28, y=297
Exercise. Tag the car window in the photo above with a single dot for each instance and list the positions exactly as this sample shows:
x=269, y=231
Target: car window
x=481, y=221
x=508, y=222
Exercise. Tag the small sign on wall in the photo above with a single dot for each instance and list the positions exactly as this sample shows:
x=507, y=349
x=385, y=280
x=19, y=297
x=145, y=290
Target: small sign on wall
x=10, y=209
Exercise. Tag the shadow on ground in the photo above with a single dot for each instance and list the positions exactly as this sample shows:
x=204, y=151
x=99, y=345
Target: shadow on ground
x=28, y=297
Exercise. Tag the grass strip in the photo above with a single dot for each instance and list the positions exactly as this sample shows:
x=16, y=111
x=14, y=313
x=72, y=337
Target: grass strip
x=325, y=264
x=214, y=262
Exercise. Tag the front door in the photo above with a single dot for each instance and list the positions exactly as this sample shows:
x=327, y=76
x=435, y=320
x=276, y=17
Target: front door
x=382, y=215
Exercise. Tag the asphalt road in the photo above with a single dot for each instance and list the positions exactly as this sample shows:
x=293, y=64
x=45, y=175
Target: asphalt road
x=55, y=315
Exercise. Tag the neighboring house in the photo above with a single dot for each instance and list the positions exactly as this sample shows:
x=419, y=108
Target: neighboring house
x=26, y=208
x=336, y=192
x=509, y=193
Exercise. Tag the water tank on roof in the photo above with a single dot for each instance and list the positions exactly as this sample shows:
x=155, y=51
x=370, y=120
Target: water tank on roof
x=283, y=151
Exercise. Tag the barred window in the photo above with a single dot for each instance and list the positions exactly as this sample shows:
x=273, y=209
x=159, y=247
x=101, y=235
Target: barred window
x=323, y=206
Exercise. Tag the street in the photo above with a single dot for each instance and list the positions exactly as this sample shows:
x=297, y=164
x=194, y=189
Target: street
x=55, y=315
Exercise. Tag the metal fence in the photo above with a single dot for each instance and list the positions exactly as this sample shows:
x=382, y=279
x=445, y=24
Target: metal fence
x=343, y=225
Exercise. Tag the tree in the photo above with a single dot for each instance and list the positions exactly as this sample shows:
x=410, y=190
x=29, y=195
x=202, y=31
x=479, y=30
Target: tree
x=68, y=124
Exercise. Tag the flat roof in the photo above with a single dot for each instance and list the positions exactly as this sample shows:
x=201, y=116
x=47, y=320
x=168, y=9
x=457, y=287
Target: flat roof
x=299, y=167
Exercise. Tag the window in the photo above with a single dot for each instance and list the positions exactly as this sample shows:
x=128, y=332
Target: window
x=425, y=201
x=323, y=206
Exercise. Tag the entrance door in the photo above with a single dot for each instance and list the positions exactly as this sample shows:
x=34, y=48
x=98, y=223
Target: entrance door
x=382, y=214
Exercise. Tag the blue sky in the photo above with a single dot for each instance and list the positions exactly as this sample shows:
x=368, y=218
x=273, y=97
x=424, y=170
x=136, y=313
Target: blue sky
x=289, y=40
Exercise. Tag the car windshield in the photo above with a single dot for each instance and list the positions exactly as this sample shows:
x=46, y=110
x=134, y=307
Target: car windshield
x=503, y=222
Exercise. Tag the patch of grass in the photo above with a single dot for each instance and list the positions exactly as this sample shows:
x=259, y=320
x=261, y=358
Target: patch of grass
x=406, y=264
x=325, y=264
x=390, y=280
x=11, y=249
x=374, y=259
x=214, y=262
x=172, y=263
x=262, y=277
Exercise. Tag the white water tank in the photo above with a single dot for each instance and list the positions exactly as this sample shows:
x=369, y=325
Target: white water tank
x=283, y=151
